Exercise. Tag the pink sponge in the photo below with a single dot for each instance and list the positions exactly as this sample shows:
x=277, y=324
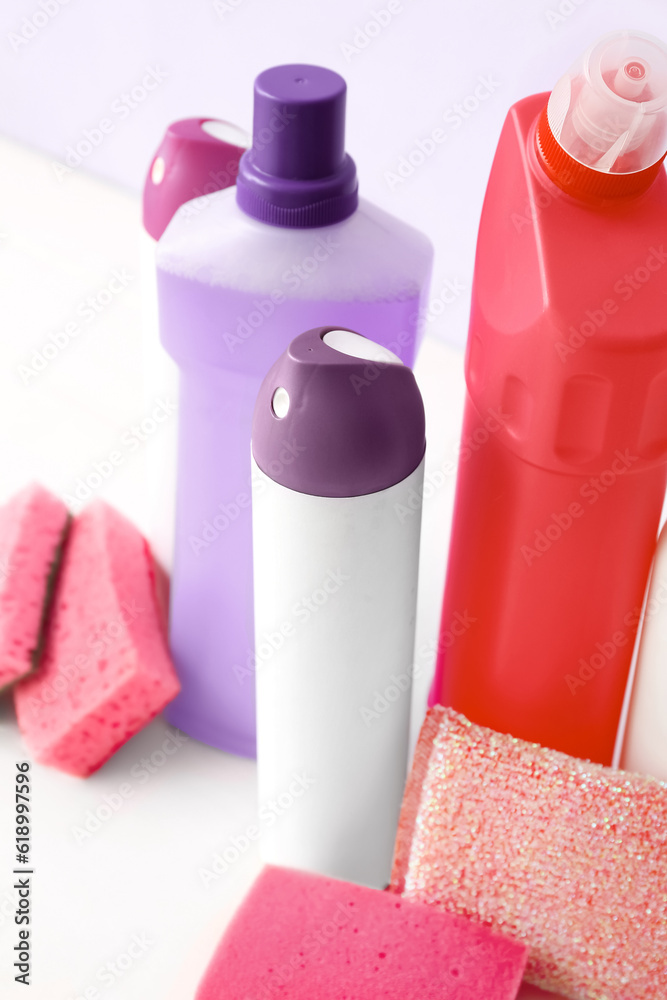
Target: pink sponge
x=566, y=856
x=299, y=936
x=32, y=528
x=106, y=670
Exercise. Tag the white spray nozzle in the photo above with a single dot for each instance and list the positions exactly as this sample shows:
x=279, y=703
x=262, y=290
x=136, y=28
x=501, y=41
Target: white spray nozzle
x=609, y=112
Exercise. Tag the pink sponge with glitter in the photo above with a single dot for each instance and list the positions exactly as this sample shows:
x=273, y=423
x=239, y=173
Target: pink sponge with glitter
x=305, y=937
x=106, y=669
x=32, y=528
x=566, y=856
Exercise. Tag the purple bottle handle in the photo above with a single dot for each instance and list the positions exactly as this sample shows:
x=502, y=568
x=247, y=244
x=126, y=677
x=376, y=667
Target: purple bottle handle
x=188, y=163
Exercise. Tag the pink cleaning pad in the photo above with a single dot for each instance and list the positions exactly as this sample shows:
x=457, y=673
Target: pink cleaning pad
x=32, y=528
x=305, y=937
x=106, y=669
x=566, y=856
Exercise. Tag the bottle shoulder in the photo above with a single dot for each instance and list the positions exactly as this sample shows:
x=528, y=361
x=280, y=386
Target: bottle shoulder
x=369, y=255
x=544, y=255
x=568, y=329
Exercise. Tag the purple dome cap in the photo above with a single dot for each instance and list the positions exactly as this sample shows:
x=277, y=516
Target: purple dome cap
x=338, y=421
x=297, y=173
x=197, y=156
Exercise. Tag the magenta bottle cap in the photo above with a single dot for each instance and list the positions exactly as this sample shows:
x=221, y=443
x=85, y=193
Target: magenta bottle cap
x=338, y=416
x=197, y=156
x=297, y=172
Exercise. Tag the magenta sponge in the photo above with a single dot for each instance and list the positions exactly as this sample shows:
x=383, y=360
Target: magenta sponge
x=299, y=936
x=32, y=529
x=105, y=671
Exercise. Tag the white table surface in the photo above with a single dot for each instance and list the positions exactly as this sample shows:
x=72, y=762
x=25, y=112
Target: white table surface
x=123, y=912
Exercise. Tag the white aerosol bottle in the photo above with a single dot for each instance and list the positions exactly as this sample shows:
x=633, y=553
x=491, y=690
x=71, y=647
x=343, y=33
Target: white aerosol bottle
x=338, y=456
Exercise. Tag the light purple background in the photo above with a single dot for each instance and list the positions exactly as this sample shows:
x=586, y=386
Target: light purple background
x=429, y=57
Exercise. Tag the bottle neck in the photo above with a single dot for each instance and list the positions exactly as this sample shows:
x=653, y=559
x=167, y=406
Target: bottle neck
x=297, y=203
x=582, y=182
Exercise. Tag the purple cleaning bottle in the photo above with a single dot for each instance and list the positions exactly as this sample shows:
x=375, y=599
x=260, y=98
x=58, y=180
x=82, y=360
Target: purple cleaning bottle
x=291, y=248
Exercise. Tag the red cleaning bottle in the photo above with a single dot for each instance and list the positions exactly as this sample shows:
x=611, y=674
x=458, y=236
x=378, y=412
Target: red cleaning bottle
x=563, y=460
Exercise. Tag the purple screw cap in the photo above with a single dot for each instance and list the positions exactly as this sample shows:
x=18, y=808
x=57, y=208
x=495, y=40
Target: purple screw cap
x=297, y=173
x=338, y=421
